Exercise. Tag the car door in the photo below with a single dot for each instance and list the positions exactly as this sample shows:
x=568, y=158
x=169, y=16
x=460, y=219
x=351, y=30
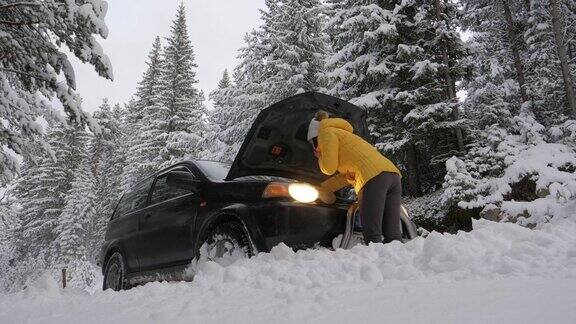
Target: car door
x=167, y=224
x=124, y=224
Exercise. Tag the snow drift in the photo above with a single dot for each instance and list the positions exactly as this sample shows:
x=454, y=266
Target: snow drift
x=500, y=272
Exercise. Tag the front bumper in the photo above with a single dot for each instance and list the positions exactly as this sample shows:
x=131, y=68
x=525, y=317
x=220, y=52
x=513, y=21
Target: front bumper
x=298, y=225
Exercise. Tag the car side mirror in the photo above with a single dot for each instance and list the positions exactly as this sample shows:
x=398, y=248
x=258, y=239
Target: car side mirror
x=183, y=180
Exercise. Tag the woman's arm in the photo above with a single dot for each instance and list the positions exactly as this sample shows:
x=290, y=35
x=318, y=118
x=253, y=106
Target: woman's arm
x=328, y=157
x=335, y=183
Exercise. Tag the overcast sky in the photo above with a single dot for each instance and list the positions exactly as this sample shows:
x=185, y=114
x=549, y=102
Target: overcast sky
x=216, y=29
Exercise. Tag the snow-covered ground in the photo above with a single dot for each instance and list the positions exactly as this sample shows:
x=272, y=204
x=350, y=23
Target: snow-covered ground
x=498, y=273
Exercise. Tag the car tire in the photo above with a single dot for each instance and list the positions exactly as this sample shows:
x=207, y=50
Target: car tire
x=115, y=273
x=226, y=243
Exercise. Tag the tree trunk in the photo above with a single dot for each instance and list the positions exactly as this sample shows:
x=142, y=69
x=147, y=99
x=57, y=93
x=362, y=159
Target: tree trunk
x=450, y=85
x=513, y=38
x=527, y=5
x=414, y=187
x=557, y=29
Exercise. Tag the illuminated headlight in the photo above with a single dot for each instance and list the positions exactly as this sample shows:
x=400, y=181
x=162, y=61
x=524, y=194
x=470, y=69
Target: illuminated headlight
x=303, y=192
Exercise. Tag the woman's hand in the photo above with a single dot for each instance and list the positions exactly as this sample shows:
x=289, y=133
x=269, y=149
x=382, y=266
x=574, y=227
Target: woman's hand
x=350, y=176
x=317, y=153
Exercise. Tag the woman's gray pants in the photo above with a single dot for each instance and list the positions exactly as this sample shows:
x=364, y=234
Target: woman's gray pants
x=380, y=208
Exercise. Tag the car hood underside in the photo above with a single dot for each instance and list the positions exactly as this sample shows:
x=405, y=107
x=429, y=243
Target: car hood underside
x=276, y=144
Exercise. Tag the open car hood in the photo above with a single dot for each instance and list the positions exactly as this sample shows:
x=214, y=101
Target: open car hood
x=276, y=144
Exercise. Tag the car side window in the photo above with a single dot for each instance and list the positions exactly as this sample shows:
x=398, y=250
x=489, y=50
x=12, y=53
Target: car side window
x=134, y=199
x=123, y=206
x=163, y=192
x=140, y=194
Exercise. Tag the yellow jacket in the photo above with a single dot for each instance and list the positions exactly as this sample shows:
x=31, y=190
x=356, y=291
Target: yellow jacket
x=356, y=160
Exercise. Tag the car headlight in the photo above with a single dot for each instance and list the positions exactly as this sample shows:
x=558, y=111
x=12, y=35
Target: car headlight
x=303, y=192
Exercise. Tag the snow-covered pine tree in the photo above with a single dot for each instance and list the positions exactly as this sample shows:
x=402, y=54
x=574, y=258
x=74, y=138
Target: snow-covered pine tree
x=221, y=121
x=293, y=31
x=387, y=60
x=459, y=184
x=452, y=50
x=222, y=99
x=147, y=92
x=248, y=94
x=559, y=31
x=365, y=43
x=80, y=227
x=510, y=145
x=8, y=218
x=225, y=82
x=550, y=79
x=42, y=190
x=21, y=133
x=146, y=122
x=79, y=209
x=284, y=56
x=8, y=224
x=494, y=92
x=568, y=9
x=107, y=159
x=363, y=37
x=428, y=76
x=32, y=36
x=179, y=94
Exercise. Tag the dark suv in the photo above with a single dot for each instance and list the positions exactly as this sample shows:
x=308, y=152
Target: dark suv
x=208, y=209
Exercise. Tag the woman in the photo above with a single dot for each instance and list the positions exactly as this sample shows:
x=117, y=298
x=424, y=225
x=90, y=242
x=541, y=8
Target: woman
x=376, y=179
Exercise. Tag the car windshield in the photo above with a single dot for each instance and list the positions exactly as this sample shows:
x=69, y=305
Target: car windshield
x=214, y=170
x=217, y=171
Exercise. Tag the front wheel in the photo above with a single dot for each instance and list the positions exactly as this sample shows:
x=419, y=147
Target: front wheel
x=227, y=243
x=115, y=273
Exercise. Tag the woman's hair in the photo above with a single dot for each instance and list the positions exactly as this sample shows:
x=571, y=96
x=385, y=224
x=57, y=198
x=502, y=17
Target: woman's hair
x=320, y=115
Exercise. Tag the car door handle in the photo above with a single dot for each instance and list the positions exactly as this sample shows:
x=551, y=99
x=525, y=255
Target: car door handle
x=147, y=216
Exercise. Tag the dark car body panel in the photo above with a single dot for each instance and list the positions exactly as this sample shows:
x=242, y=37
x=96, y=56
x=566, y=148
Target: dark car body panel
x=169, y=234
x=277, y=141
x=166, y=230
x=122, y=234
x=297, y=225
x=271, y=222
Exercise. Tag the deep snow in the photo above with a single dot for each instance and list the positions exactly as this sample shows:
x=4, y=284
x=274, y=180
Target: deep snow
x=498, y=273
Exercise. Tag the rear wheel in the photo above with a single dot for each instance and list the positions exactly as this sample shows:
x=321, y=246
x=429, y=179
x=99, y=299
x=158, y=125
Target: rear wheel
x=226, y=243
x=115, y=273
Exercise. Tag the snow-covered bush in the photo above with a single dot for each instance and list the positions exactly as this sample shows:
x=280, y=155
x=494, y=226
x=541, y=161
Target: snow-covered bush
x=17, y=274
x=427, y=207
x=82, y=274
x=491, y=175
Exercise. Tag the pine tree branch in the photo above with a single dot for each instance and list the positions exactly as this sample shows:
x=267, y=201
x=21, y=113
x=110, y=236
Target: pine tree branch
x=20, y=4
x=24, y=73
x=18, y=23
x=4, y=196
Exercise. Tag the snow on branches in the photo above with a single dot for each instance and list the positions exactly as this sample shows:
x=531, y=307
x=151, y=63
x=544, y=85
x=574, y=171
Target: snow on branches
x=33, y=63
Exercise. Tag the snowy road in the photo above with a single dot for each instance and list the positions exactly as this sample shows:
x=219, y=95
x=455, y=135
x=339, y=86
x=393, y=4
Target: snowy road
x=498, y=273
